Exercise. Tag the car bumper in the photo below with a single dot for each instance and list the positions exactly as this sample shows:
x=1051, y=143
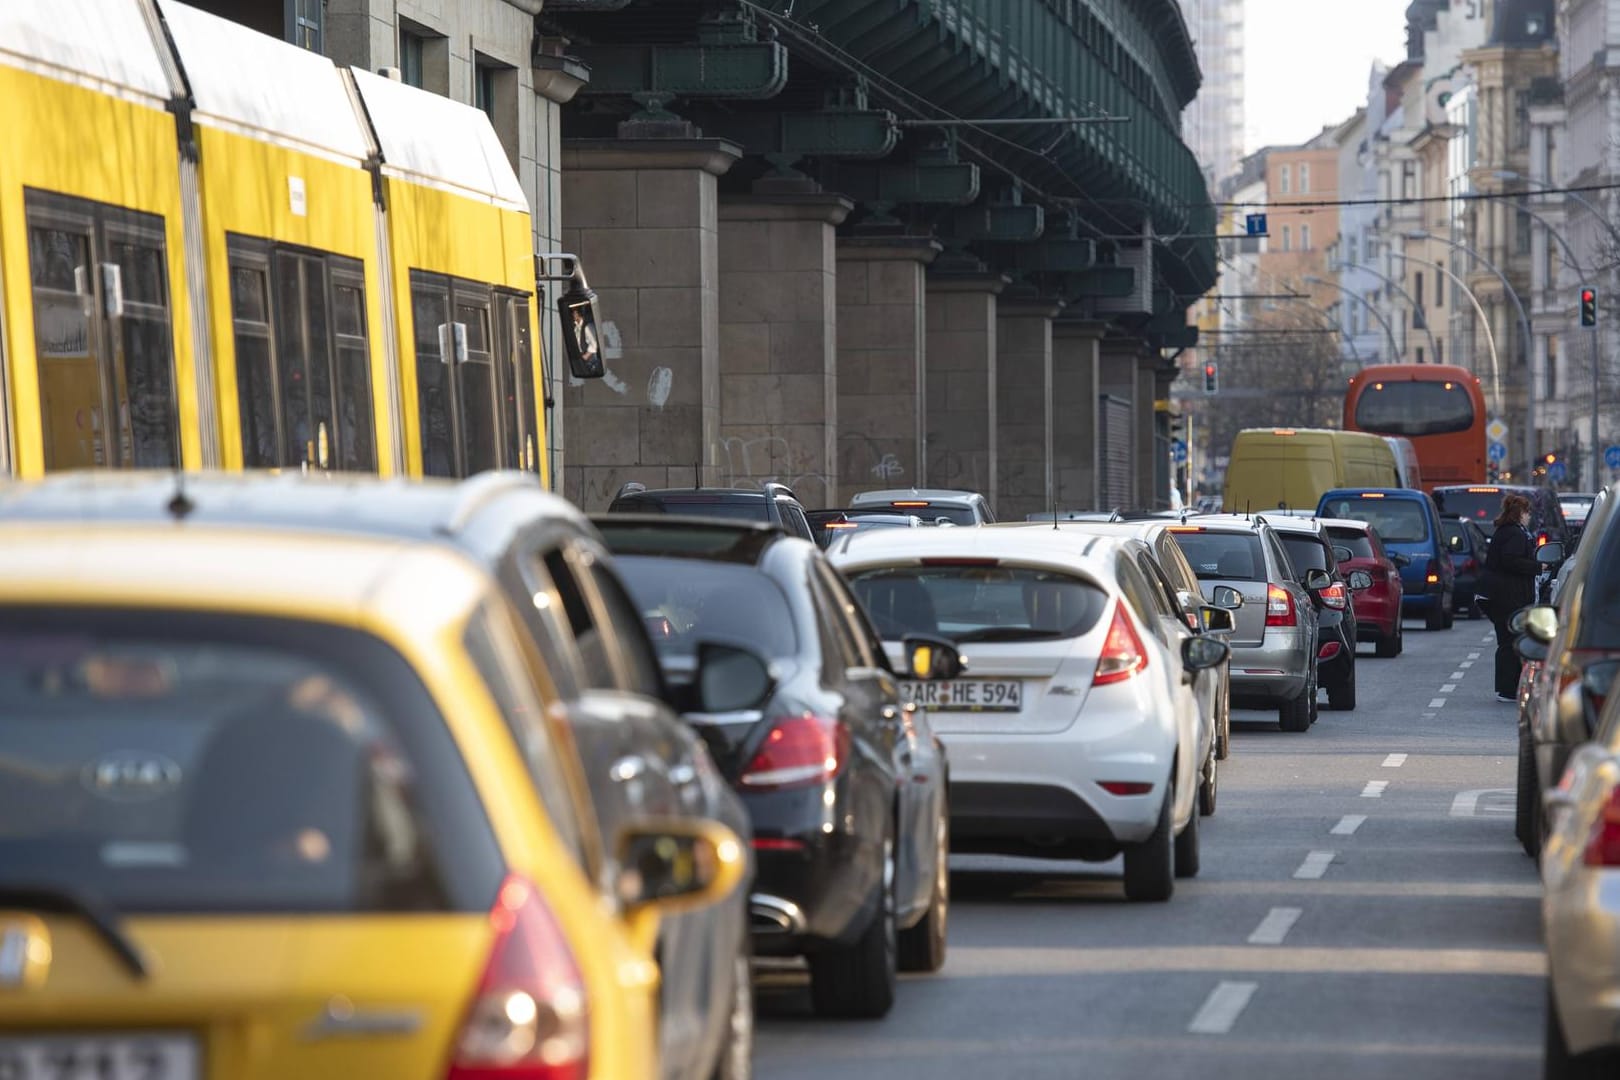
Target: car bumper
x=1582, y=926
x=812, y=893
x=1376, y=616
x=1273, y=671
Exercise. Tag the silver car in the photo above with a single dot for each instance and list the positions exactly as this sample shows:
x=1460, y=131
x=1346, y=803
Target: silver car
x=1580, y=907
x=936, y=506
x=1273, y=644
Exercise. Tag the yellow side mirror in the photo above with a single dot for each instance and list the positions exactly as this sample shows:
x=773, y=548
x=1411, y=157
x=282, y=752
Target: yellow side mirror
x=673, y=865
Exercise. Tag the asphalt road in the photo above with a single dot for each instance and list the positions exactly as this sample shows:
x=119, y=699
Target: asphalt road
x=1363, y=911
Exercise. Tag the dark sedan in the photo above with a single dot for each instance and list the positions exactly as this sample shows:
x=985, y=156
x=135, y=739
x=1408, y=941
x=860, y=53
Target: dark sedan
x=846, y=789
x=1467, y=543
x=1311, y=552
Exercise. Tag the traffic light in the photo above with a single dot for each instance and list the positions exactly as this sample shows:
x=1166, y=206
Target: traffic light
x=1588, y=307
x=1211, y=378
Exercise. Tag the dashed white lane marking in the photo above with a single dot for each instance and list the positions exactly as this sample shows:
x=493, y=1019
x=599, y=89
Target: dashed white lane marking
x=1448, y=688
x=1437, y=703
x=1348, y=825
x=1428, y=716
x=1222, y=1008
x=1473, y=656
x=1275, y=926
x=1374, y=789
x=1458, y=675
x=1466, y=664
x=1314, y=866
x=1394, y=761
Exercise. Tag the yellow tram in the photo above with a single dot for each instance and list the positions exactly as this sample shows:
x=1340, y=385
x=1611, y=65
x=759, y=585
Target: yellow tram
x=218, y=250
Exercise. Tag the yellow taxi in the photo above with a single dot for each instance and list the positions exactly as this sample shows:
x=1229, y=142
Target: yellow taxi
x=287, y=805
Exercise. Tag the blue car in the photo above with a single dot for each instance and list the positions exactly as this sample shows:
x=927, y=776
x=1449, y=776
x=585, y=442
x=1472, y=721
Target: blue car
x=1409, y=523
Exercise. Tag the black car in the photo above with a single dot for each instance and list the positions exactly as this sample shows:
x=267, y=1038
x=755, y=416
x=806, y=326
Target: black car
x=1481, y=503
x=1310, y=549
x=774, y=504
x=829, y=524
x=1467, y=543
x=845, y=787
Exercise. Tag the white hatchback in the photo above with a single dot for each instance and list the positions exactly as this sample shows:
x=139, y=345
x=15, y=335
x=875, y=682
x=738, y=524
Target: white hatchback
x=1073, y=734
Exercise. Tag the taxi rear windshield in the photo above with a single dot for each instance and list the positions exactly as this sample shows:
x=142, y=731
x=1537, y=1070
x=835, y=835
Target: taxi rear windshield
x=1219, y=556
x=1358, y=543
x=978, y=603
x=1398, y=521
x=223, y=764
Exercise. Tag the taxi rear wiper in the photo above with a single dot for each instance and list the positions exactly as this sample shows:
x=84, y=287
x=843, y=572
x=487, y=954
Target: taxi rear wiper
x=60, y=900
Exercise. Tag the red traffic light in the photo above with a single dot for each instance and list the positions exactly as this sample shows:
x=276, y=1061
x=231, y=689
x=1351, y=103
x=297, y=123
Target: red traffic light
x=1587, y=296
x=1209, y=369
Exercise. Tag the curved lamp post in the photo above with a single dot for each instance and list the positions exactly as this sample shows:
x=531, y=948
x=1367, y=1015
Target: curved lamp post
x=1389, y=331
x=1392, y=283
x=1490, y=338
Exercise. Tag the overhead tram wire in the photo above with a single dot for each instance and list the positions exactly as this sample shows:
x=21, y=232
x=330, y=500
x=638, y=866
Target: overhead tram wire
x=1411, y=200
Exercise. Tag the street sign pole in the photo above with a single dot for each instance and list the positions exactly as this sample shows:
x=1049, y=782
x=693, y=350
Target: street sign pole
x=1597, y=483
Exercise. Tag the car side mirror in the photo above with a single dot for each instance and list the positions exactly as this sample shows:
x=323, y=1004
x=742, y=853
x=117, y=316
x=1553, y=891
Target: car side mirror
x=1317, y=580
x=677, y=864
x=1202, y=653
x=929, y=657
x=1402, y=561
x=1541, y=623
x=1530, y=649
x=1226, y=597
x=1550, y=553
x=1216, y=620
x=730, y=679
x=1360, y=581
x=582, y=341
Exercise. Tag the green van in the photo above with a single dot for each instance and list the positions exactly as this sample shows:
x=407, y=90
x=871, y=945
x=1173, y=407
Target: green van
x=1293, y=468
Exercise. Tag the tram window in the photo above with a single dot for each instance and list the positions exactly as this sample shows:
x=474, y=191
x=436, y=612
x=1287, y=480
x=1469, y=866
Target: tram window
x=302, y=361
x=430, y=304
x=102, y=335
x=517, y=392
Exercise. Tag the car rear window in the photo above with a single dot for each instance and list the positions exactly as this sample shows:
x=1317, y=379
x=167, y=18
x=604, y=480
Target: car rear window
x=695, y=506
x=1217, y=556
x=685, y=602
x=934, y=513
x=1398, y=521
x=1481, y=507
x=978, y=603
x=1358, y=543
x=169, y=762
x=1304, y=552
x=1600, y=601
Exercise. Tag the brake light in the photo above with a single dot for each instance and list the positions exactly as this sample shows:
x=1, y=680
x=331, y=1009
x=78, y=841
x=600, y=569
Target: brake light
x=960, y=562
x=1541, y=538
x=1372, y=494
x=798, y=752
x=1186, y=528
x=1329, y=650
x=1603, y=845
x=1334, y=596
x=1126, y=787
x=909, y=504
x=529, y=1018
x=1484, y=491
x=840, y=525
x=1280, y=607
x=1434, y=579
x=1122, y=653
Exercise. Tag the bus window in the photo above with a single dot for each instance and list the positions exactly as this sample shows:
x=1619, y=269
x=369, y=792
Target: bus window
x=1414, y=409
x=102, y=334
x=475, y=388
x=302, y=364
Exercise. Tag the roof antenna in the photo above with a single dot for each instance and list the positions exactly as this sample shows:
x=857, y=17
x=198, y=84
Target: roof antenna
x=180, y=503
x=1054, y=512
x=697, y=476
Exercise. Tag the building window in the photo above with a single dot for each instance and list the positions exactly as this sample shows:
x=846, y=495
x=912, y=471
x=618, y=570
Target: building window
x=1417, y=291
x=1521, y=237
x=1408, y=179
x=1304, y=179
x=1284, y=179
x=1288, y=238
x=1304, y=230
x=1420, y=354
x=1439, y=350
x=411, y=47
x=305, y=19
x=1521, y=119
x=1439, y=291
x=484, y=90
x=495, y=93
x=1355, y=253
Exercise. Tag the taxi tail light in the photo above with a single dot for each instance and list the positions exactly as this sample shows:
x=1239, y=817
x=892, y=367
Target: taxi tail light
x=1123, y=655
x=1280, y=607
x=798, y=752
x=1329, y=650
x=1603, y=845
x=1335, y=596
x=529, y=1018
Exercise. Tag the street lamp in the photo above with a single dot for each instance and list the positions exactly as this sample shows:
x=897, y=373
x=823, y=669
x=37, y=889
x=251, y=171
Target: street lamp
x=1389, y=331
x=1490, y=338
x=1417, y=305
x=1524, y=333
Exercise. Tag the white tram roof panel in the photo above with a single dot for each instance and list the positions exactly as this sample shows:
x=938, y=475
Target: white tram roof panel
x=442, y=142
x=243, y=79
x=94, y=42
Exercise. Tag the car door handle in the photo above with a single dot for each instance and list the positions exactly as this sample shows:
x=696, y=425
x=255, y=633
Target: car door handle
x=627, y=768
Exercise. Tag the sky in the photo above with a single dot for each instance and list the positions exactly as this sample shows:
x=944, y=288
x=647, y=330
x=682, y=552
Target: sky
x=1307, y=61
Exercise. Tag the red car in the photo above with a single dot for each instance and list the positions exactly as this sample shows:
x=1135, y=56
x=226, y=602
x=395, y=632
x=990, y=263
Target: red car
x=1378, y=609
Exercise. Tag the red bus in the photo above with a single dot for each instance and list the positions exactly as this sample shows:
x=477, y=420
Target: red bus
x=1439, y=407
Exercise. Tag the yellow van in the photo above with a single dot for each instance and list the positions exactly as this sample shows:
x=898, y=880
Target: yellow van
x=1295, y=467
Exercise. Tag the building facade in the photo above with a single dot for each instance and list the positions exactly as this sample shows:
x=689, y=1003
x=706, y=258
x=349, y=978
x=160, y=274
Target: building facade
x=1213, y=125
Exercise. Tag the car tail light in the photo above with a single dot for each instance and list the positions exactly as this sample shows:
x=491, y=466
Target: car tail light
x=1280, y=607
x=1334, y=596
x=1126, y=787
x=1329, y=650
x=1541, y=538
x=1122, y=652
x=798, y=752
x=1603, y=846
x=529, y=1018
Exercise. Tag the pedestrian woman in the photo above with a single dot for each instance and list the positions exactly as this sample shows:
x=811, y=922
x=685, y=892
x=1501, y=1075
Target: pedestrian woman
x=1510, y=584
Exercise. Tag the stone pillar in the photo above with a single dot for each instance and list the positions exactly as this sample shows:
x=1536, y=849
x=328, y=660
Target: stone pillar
x=1023, y=407
x=1149, y=462
x=1119, y=452
x=1076, y=363
x=961, y=382
x=642, y=214
x=882, y=302
x=778, y=343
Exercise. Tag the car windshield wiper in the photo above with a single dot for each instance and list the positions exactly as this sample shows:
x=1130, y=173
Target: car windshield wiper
x=1008, y=633
x=61, y=900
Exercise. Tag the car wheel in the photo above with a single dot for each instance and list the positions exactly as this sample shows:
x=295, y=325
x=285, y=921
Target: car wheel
x=1451, y=615
x=1342, y=698
x=1524, y=802
x=1400, y=636
x=1186, y=854
x=1223, y=748
x=1388, y=646
x=922, y=947
x=736, y=1061
x=856, y=981
x=1208, y=787
x=1435, y=617
x=1295, y=715
x=1150, y=869
x=1559, y=1064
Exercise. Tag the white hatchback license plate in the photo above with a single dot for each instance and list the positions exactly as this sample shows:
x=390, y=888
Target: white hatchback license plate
x=100, y=1057
x=966, y=695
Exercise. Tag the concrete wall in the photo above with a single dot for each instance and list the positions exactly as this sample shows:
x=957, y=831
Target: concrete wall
x=961, y=380
x=1075, y=387
x=1023, y=408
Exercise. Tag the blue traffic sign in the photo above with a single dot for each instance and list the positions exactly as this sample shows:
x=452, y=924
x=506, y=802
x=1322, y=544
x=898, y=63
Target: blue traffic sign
x=1496, y=452
x=1255, y=224
x=1611, y=457
x=1178, y=451
x=1557, y=472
